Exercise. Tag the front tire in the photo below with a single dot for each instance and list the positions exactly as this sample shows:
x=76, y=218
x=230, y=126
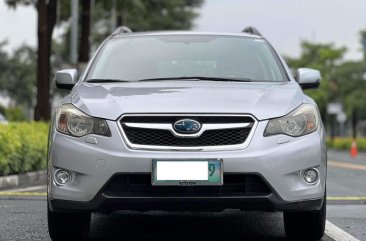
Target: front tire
x=68, y=226
x=305, y=225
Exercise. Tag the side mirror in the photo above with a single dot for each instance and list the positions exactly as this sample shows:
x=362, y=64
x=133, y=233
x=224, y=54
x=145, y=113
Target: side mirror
x=308, y=78
x=66, y=79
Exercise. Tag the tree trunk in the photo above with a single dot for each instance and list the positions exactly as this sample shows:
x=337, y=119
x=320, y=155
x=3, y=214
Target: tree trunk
x=46, y=22
x=84, y=48
x=119, y=21
x=354, y=123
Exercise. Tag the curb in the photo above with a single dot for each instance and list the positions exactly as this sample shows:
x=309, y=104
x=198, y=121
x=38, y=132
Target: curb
x=25, y=179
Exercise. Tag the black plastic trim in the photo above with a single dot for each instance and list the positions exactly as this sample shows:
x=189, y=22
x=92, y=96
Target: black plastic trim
x=310, y=86
x=65, y=86
x=104, y=203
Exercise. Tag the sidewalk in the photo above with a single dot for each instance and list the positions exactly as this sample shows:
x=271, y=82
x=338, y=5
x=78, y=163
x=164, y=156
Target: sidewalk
x=23, y=180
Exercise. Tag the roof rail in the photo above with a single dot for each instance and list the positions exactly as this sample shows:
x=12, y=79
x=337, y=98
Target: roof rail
x=251, y=30
x=122, y=29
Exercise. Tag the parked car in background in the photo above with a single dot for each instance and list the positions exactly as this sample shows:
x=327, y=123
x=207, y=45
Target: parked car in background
x=187, y=121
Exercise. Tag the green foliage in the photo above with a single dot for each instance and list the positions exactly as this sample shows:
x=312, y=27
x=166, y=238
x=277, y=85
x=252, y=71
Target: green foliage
x=14, y=3
x=140, y=15
x=2, y=110
x=23, y=147
x=343, y=81
x=18, y=75
x=325, y=58
x=352, y=88
x=345, y=143
x=361, y=144
x=164, y=15
x=15, y=114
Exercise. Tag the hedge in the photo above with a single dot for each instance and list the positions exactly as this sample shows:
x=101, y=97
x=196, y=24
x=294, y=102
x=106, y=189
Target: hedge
x=345, y=143
x=23, y=147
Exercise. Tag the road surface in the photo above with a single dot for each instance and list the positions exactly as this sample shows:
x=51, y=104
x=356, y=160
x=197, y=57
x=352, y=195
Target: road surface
x=23, y=215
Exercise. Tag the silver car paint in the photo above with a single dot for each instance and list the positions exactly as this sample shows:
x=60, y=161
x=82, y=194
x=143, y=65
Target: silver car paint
x=306, y=76
x=279, y=159
x=263, y=100
x=66, y=76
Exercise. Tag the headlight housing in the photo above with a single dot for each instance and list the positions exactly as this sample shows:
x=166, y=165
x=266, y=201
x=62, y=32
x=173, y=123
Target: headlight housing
x=301, y=121
x=71, y=121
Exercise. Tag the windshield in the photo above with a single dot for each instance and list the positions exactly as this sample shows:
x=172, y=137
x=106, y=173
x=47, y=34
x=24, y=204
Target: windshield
x=175, y=56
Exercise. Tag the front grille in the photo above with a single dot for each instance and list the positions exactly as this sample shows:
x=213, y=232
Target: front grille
x=166, y=138
x=139, y=185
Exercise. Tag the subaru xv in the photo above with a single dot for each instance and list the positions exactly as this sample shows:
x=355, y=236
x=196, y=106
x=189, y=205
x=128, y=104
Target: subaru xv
x=186, y=121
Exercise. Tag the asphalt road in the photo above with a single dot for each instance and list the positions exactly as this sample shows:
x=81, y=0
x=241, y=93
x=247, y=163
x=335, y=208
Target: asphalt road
x=346, y=191
x=23, y=215
x=25, y=219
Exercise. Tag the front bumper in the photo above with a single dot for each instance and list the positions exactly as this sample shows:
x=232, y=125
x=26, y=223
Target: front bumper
x=104, y=204
x=280, y=160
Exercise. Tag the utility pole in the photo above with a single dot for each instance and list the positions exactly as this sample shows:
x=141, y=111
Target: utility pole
x=84, y=45
x=363, y=42
x=74, y=31
x=113, y=15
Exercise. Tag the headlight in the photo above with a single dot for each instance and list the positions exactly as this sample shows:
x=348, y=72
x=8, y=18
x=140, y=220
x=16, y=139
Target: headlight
x=302, y=121
x=71, y=121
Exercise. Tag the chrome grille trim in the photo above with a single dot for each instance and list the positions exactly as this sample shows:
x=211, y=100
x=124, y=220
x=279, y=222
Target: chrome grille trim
x=207, y=126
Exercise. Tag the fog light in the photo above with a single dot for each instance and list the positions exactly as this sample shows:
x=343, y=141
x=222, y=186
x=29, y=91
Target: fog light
x=311, y=175
x=62, y=177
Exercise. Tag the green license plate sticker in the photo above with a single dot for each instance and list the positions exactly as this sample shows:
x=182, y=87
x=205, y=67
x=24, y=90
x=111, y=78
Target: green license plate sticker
x=214, y=171
x=187, y=172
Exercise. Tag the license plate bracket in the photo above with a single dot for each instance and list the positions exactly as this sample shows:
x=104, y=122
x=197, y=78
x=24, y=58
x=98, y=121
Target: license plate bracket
x=187, y=172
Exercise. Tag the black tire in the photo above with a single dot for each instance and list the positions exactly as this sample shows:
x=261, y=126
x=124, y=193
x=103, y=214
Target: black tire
x=305, y=225
x=68, y=226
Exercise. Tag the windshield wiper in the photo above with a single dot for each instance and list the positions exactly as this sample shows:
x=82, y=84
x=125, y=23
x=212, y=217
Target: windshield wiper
x=105, y=80
x=200, y=78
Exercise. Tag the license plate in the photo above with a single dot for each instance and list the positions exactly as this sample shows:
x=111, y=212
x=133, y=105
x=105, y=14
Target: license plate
x=187, y=172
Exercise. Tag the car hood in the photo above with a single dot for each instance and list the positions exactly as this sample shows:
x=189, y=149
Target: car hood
x=111, y=100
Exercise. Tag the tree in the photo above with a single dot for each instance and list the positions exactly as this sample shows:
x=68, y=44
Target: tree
x=138, y=14
x=47, y=10
x=141, y=15
x=352, y=91
x=17, y=77
x=342, y=81
x=164, y=15
x=325, y=58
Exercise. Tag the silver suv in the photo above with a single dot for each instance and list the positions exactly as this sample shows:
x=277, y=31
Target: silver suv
x=187, y=121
